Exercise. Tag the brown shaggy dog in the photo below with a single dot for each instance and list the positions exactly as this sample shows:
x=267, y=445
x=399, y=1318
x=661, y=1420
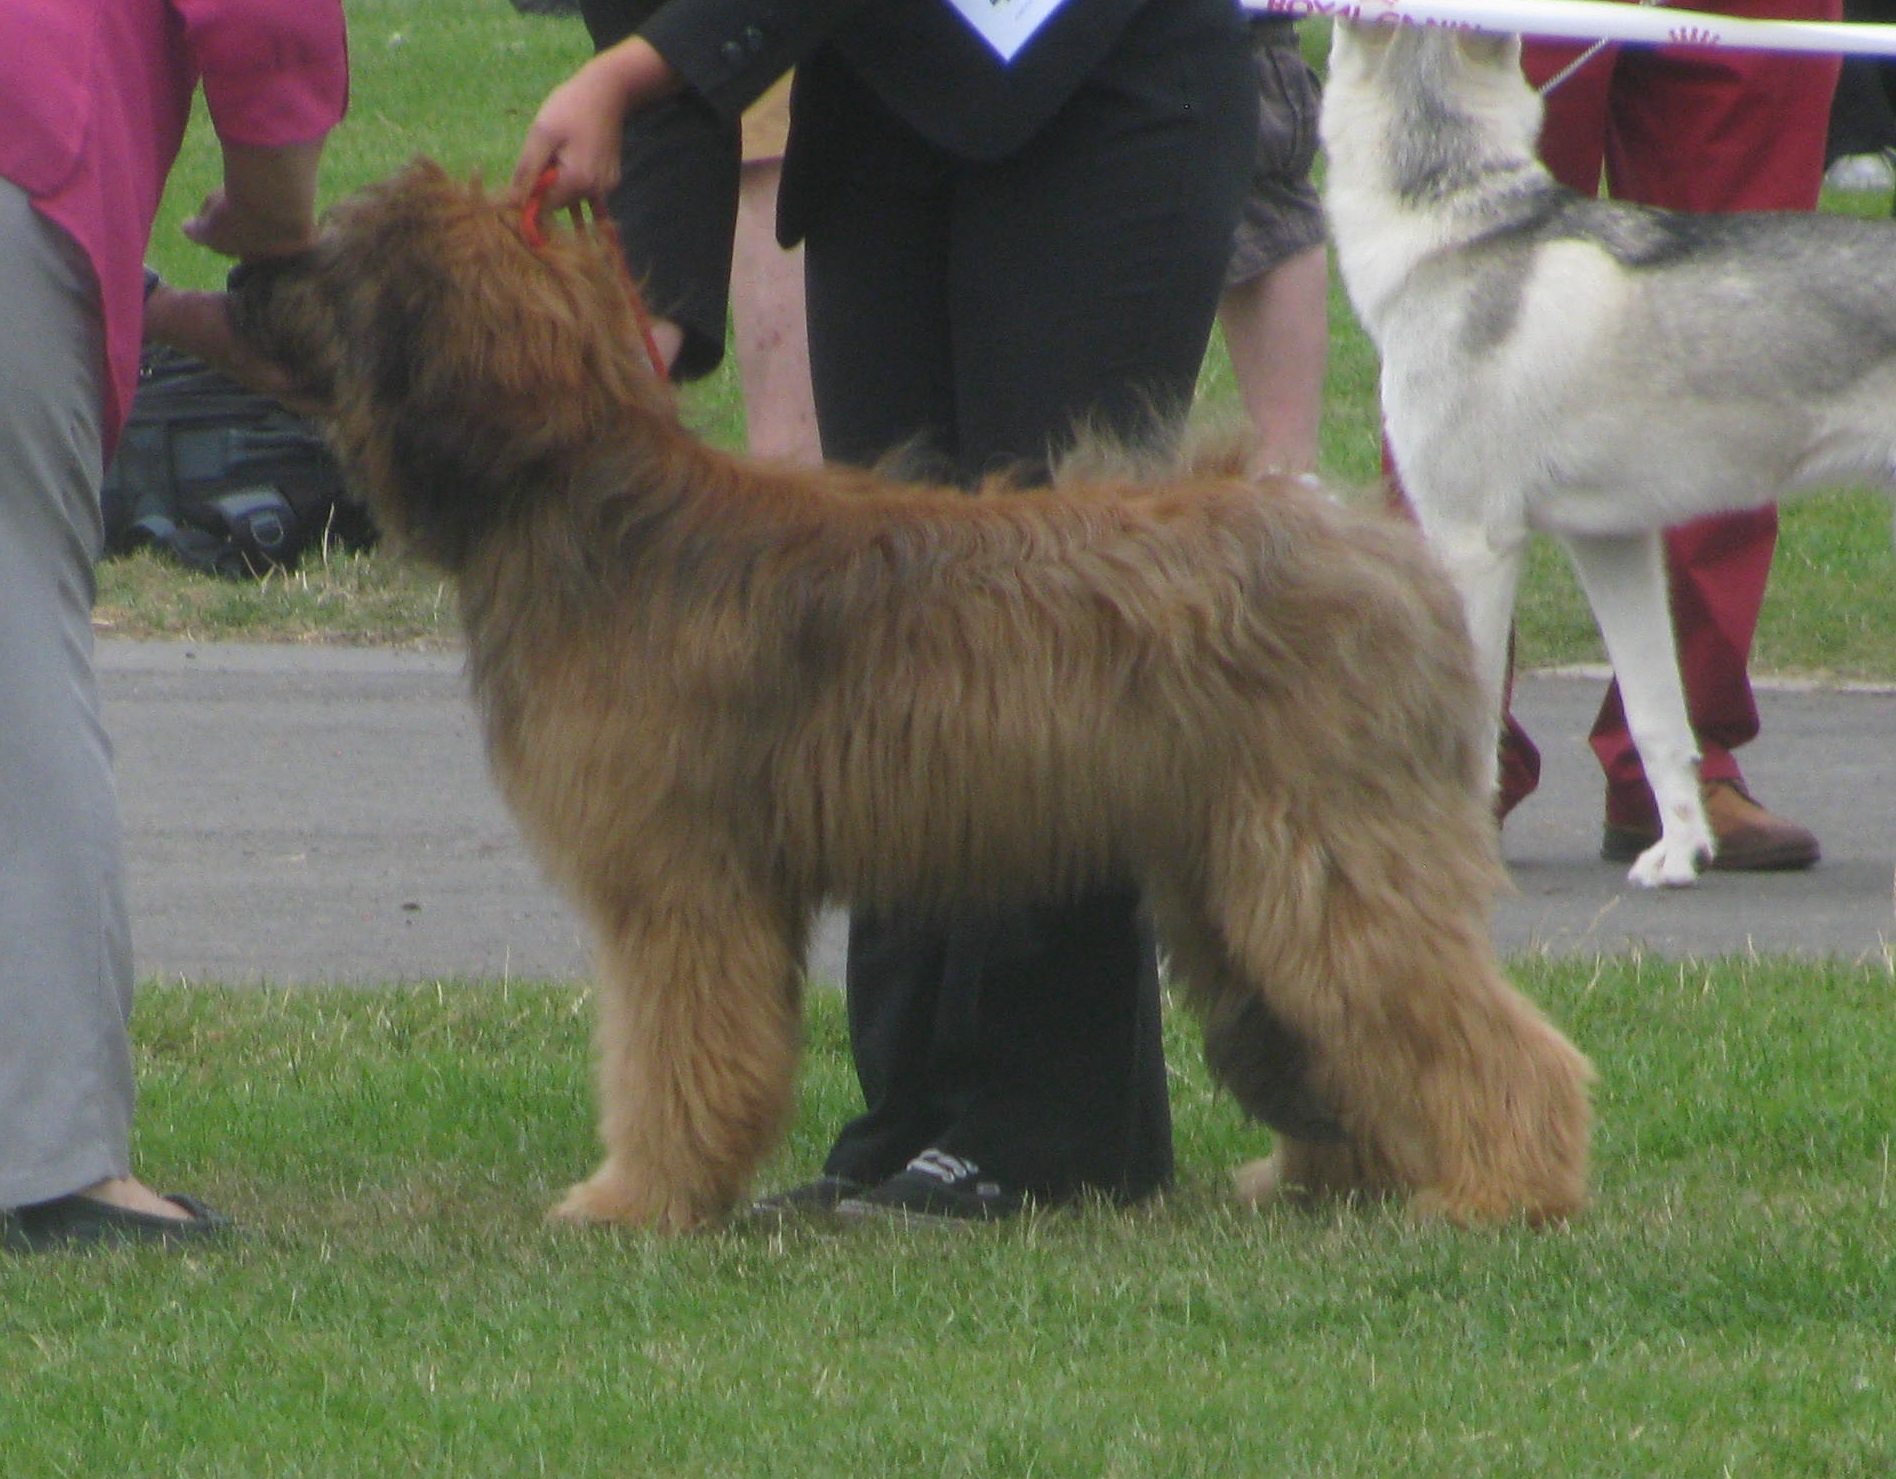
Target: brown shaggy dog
x=717, y=693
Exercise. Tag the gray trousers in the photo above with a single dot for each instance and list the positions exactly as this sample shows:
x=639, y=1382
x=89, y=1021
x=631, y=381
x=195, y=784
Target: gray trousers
x=65, y=949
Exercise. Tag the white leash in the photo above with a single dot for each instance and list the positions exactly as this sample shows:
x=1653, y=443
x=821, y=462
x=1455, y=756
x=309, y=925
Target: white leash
x=1603, y=20
x=1578, y=62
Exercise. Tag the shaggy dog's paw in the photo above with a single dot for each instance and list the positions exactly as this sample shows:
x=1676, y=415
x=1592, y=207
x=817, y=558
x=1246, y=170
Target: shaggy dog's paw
x=1259, y=1183
x=613, y=1199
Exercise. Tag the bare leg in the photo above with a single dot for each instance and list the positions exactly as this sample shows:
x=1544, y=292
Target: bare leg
x=1277, y=331
x=773, y=353
x=667, y=339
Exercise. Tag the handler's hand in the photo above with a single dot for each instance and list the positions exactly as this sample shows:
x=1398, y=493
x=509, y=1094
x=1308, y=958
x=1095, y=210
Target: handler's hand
x=221, y=227
x=579, y=125
x=199, y=324
x=266, y=206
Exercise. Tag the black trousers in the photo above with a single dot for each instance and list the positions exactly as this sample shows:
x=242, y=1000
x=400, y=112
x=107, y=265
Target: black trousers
x=675, y=207
x=977, y=313
x=1863, y=112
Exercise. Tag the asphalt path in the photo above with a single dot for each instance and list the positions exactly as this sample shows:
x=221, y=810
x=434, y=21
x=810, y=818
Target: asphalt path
x=314, y=814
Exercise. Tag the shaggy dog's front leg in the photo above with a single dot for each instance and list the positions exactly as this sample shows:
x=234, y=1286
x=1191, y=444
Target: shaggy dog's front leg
x=697, y=1039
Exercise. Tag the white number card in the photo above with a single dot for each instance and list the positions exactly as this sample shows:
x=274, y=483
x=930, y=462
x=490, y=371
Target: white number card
x=1006, y=25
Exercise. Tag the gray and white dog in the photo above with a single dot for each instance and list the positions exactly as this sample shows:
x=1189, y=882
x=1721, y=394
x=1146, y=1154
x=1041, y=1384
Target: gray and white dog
x=1591, y=369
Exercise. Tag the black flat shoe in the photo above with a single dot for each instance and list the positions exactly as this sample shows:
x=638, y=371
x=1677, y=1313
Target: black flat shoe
x=86, y=1222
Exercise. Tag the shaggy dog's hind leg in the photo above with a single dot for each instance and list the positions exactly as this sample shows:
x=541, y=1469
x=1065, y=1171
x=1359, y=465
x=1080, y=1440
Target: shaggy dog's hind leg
x=697, y=1039
x=1250, y=1051
x=1265, y=1064
x=1299, y=1171
x=1362, y=927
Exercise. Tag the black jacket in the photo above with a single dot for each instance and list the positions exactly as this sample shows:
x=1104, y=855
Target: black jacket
x=921, y=58
x=923, y=61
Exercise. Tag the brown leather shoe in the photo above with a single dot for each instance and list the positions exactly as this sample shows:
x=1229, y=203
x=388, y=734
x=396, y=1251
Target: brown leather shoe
x=1750, y=839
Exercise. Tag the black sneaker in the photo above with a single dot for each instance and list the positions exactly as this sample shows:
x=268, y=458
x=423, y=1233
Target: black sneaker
x=937, y=1187
x=812, y=1198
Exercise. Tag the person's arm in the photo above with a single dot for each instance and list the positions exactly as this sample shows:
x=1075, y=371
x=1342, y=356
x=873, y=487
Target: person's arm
x=726, y=51
x=267, y=206
x=199, y=324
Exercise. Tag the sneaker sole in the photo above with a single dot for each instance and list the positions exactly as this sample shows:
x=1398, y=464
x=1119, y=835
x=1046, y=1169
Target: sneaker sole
x=804, y=1203
x=859, y=1211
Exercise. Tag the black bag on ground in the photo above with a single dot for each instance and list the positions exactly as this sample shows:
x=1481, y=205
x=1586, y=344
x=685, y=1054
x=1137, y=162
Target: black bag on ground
x=224, y=479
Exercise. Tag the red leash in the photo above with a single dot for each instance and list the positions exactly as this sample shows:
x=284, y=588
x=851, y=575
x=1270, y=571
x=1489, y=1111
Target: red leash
x=602, y=228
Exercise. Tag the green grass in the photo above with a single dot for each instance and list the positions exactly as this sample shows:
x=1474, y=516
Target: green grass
x=394, y=1304
x=459, y=79
x=397, y=1307
x=334, y=595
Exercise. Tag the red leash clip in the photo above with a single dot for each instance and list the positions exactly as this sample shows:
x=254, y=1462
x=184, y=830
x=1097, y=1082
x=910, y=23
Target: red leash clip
x=603, y=228
x=536, y=202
